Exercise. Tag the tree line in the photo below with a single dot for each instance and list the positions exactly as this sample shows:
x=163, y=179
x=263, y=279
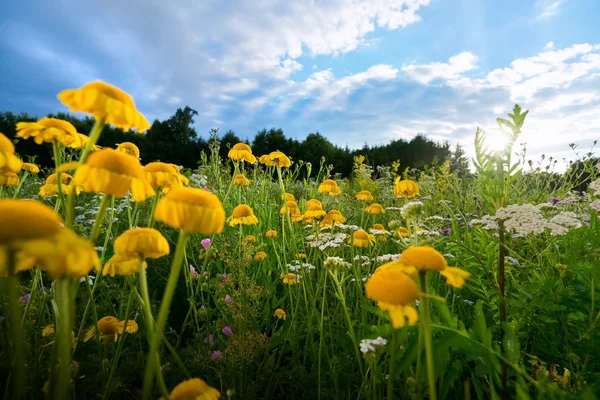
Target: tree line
x=175, y=140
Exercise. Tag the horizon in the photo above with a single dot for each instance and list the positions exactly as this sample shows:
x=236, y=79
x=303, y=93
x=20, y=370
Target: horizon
x=350, y=71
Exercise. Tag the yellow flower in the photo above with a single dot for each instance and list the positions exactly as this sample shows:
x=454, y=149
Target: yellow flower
x=406, y=188
x=401, y=232
x=360, y=238
x=374, y=208
x=49, y=130
x=290, y=207
x=297, y=216
x=271, y=233
x=250, y=239
x=301, y=256
x=279, y=313
x=314, y=209
x=243, y=215
x=120, y=328
x=106, y=328
x=145, y=242
x=121, y=265
x=8, y=160
x=289, y=278
x=455, y=276
x=379, y=228
x=8, y=178
x=394, y=291
x=194, y=389
x=48, y=330
x=114, y=173
x=260, y=256
x=240, y=180
x=160, y=174
x=333, y=217
x=330, y=187
x=192, y=210
x=423, y=258
x=364, y=195
x=50, y=188
x=26, y=220
x=276, y=159
x=129, y=148
x=29, y=167
x=288, y=197
x=241, y=152
x=105, y=102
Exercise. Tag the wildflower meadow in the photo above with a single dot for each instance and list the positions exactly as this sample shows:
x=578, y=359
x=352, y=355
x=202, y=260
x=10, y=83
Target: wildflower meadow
x=258, y=276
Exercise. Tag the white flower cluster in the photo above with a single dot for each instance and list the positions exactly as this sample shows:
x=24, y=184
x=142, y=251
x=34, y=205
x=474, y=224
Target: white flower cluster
x=198, y=180
x=487, y=222
x=428, y=233
x=326, y=240
x=296, y=266
x=387, y=258
x=370, y=345
x=364, y=260
x=393, y=208
x=336, y=263
x=595, y=186
x=378, y=232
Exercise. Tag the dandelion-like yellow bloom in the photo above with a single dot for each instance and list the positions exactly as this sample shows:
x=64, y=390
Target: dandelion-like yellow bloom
x=360, y=238
x=192, y=210
x=406, y=188
x=290, y=207
x=105, y=102
x=106, y=328
x=48, y=330
x=194, y=389
x=49, y=130
x=241, y=152
x=364, y=195
x=455, y=277
x=129, y=148
x=182, y=178
x=50, y=188
x=260, y=256
x=374, y=208
x=114, y=173
x=333, y=217
x=145, y=242
x=160, y=174
x=276, y=159
x=288, y=197
x=289, y=279
x=8, y=160
x=8, y=178
x=297, y=217
x=271, y=233
x=301, y=256
x=242, y=215
x=394, y=291
x=27, y=219
x=122, y=265
x=381, y=229
x=250, y=239
x=29, y=167
x=423, y=258
x=314, y=209
x=121, y=328
x=330, y=187
x=280, y=313
x=401, y=232
x=240, y=180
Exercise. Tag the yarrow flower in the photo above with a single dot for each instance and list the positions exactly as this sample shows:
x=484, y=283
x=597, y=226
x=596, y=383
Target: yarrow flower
x=369, y=346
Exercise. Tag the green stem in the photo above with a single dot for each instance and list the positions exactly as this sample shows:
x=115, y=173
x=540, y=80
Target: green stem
x=390, y=384
x=64, y=322
x=146, y=296
x=321, y=336
x=162, y=316
x=99, y=218
x=94, y=135
x=11, y=285
x=154, y=203
x=424, y=308
x=18, y=189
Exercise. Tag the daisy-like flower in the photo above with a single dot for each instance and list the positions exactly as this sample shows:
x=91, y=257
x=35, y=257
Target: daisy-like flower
x=105, y=102
x=271, y=233
x=374, y=208
x=406, y=188
x=330, y=187
x=289, y=279
x=145, y=242
x=240, y=180
x=260, y=256
x=106, y=328
x=122, y=265
x=288, y=197
x=194, y=389
x=424, y=258
x=364, y=195
x=242, y=215
x=401, y=232
x=380, y=231
x=280, y=313
x=333, y=217
x=394, y=292
x=250, y=239
x=276, y=159
x=49, y=130
x=8, y=178
x=360, y=238
x=192, y=210
x=301, y=256
x=50, y=188
x=32, y=168
x=8, y=160
x=160, y=174
x=290, y=207
x=83, y=139
x=121, y=328
x=114, y=173
x=128, y=148
x=241, y=152
x=314, y=210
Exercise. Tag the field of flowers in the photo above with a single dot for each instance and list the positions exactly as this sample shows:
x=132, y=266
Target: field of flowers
x=269, y=278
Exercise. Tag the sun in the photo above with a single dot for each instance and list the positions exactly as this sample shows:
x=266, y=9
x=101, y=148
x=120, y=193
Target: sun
x=496, y=141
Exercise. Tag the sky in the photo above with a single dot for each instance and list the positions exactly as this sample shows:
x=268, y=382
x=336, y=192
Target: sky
x=356, y=71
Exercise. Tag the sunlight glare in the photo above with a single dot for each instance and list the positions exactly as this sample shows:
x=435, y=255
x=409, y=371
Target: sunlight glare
x=496, y=140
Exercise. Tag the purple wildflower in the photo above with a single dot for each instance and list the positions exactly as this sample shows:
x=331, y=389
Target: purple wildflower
x=25, y=299
x=228, y=299
x=193, y=272
x=447, y=231
x=205, y=243
x=227, y=331
x=224, y=278
x=215, y=354
x=209, y=339
x=554, y=201
x=205, y=273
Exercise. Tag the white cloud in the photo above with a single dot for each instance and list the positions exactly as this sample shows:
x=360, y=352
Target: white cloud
x=549, y=46
x=547, y=8
x=426, y=73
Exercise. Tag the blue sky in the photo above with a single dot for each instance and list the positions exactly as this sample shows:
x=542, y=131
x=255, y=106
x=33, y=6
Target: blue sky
x=356, y=71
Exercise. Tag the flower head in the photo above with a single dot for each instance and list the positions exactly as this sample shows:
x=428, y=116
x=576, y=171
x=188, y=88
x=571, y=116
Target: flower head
x=333, y=217
x=205, y=243
x=144, y=242
x=8, y=160
x=250, y=239
x=241, y=152
x=192, y=210
x=288, y=197
x=105, y=102
x=106, y=328
x=227, y=331
x=276, y=159
x=122, y=265
x=8, y=178
x=289, y=278
x=271, y=233
x=364, y=195
x=240, y=180
x=374, y=208
x=423, y=258
x=50, y=188
x=121, y=328
x=242, y=215
x=406, y=188
x=129, y=148
x=260, y=256
x=360, y=238
x=29, y=167
x=290, y=207
x=330, y=187
x=455, y=277
x=194, y=389
x=49, y=130
x=160, y=174
x=280, y=313
x=401, y=232
x=314, y=209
